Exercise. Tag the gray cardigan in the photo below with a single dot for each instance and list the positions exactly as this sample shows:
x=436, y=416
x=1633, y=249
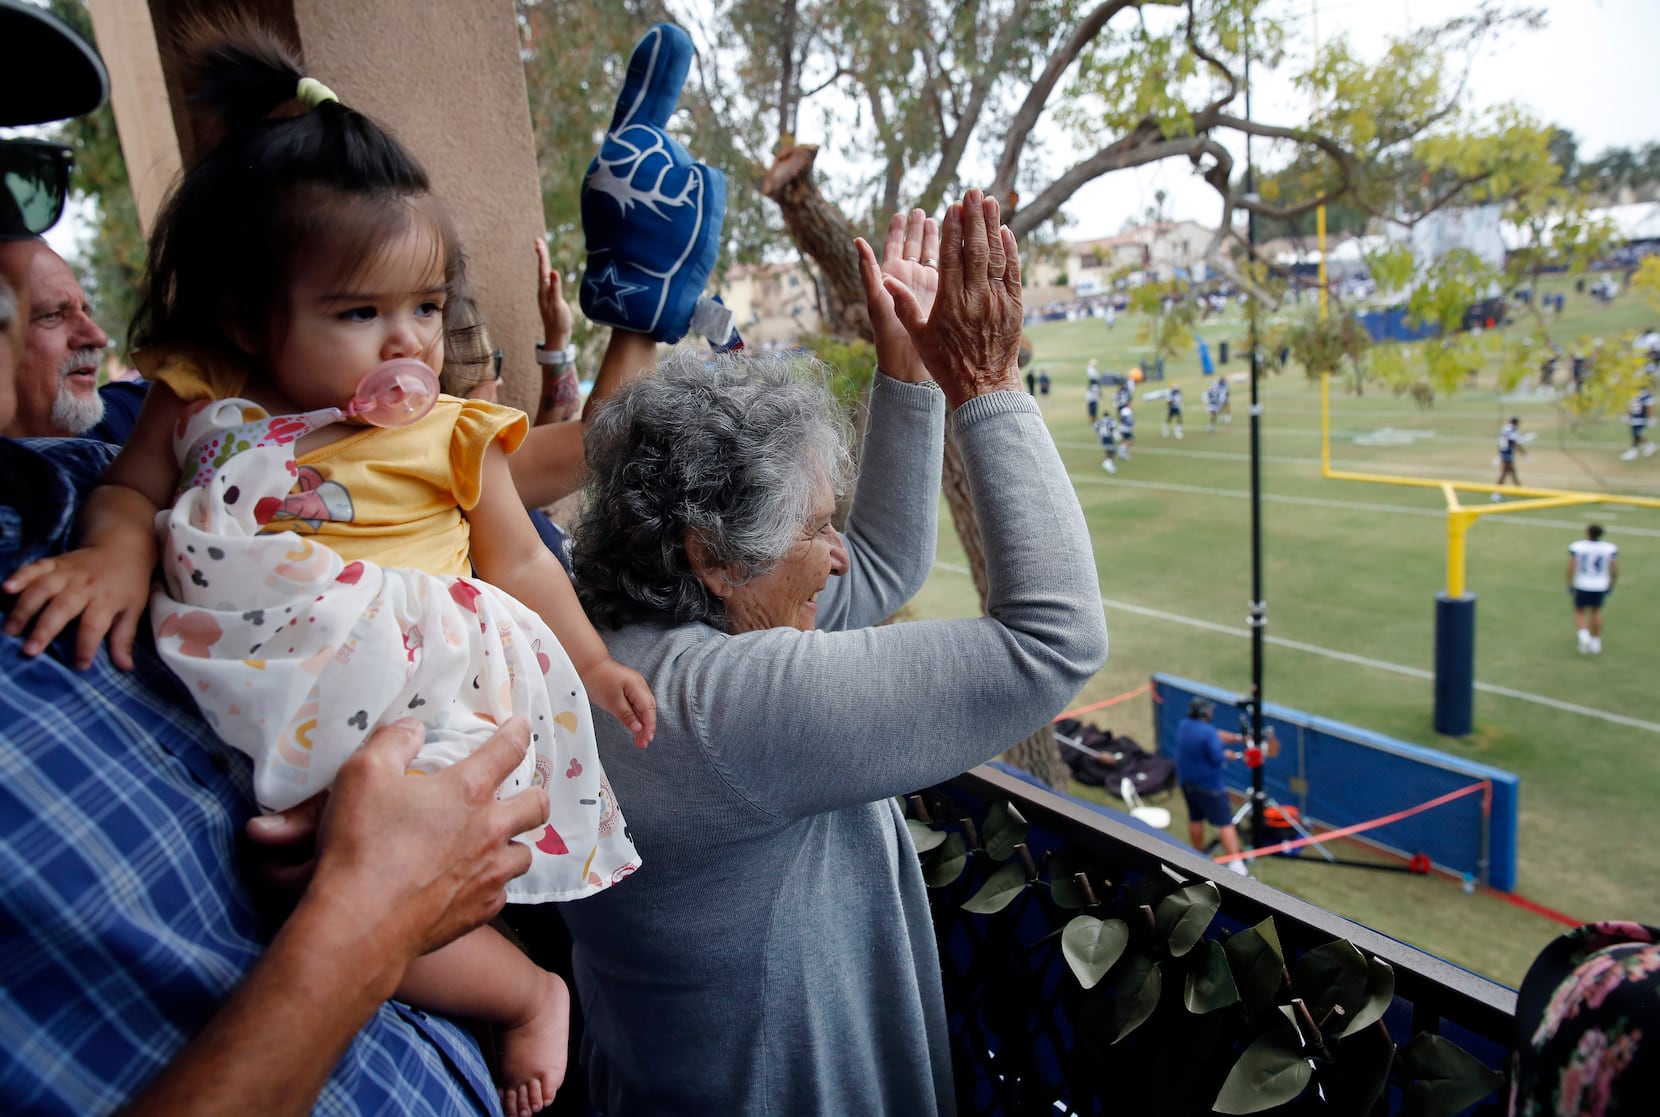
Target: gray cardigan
x=774, y=954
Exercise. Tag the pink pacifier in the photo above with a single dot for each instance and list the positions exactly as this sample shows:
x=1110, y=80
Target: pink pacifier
x=394, y=393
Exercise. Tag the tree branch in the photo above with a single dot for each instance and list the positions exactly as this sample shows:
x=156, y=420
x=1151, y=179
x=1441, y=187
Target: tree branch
x=1144, y=145
x=1202, y=120
x=1037, y=98
x=951, y=155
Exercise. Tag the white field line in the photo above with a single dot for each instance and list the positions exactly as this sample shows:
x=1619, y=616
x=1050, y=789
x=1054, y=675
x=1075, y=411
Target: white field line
x=1354, y=505
x=1358, y=660
x=1568, y=480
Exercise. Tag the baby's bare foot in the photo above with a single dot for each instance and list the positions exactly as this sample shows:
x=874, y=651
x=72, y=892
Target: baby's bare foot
x=533, y=1052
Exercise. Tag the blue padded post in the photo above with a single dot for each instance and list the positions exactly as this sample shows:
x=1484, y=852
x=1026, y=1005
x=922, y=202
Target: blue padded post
x=1455, y=664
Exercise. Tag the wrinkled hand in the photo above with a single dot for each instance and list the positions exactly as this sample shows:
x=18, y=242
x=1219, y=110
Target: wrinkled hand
x=970, y=341
x=623, y=693
x=911, y=255
x=108, y=592
x=651, y=215
x=426, y=855
x=557, y=318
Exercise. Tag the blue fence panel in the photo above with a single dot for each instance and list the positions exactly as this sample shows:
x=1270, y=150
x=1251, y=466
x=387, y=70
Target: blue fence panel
x=1340, y=775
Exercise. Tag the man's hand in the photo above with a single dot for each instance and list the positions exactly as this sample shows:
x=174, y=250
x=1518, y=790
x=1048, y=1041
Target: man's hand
x=970, y=341
x=911, y=255
x=108, y=592
x=428, y=856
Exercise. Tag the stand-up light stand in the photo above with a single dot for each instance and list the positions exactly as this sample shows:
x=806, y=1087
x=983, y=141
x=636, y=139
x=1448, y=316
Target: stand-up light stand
x=1259, y=604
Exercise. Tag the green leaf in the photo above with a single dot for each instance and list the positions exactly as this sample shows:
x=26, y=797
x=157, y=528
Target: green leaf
x=1091, y=946
x=1443, y=1078
x=924, y=837
x=1258, y=964
x=999, y=890
x=1183, y=915
x=947, y=863
x=1380, y=994
x=1271, y=1072
x=1361, y=1071
x=1004, y=829
x=1334, y=974
x=1135, y=995
x=1064, y=888
x=1210, y=985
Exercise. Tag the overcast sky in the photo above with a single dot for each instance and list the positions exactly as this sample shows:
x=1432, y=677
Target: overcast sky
x=1594, y=69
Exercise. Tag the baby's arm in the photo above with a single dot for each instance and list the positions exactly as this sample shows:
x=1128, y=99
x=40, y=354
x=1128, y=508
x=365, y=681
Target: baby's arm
x=508, y=553
x=105, y=581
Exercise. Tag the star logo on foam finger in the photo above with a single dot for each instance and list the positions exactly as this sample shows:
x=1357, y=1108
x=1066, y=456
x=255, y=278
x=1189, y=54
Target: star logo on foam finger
x=608, y=289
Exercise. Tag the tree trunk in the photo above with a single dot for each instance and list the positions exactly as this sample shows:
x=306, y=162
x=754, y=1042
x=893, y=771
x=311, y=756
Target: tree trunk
x=824, y=235
x=821, y=233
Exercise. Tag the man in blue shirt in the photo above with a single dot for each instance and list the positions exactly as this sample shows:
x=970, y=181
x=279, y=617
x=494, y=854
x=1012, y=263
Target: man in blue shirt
x=136, y=971
x=1199, y=759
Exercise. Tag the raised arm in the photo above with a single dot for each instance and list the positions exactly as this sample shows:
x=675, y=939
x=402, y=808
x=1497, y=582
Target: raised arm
x=549, y=464
x=405, y=866
x=809, y=722
x=561, y=399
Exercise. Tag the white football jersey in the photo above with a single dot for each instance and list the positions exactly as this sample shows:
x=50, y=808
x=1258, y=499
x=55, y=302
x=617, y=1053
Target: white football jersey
x=1593, y=560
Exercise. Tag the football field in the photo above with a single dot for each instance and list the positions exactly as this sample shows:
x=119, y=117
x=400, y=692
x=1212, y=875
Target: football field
x=1351, y=572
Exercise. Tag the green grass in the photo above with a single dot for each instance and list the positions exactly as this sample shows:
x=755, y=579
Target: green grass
x=1359, y=575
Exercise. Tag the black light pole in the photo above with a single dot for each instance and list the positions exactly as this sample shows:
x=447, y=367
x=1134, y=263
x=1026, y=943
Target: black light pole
x=1259, y=604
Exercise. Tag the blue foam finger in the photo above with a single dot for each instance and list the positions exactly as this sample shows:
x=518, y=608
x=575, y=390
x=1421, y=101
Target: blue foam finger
x=656, y=71
x=651, y=215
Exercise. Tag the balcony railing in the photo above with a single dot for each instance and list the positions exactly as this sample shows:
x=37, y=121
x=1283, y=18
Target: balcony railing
x=1225, y=996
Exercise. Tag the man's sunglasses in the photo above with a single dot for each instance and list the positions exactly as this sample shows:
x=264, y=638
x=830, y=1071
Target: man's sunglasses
x=495, y=359
x=35, y=174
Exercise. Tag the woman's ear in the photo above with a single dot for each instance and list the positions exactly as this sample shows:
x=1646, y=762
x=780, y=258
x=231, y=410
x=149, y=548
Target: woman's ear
x=710, y=573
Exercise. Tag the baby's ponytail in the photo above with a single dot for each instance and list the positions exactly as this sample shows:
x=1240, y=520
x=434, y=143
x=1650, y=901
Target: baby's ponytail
x=242, y=81
x=289, y=176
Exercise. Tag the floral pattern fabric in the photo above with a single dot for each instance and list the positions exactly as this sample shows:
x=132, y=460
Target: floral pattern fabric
x=1588, y=1002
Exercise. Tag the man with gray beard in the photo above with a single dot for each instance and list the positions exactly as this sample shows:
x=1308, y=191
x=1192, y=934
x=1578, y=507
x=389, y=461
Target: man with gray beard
x=57, y=371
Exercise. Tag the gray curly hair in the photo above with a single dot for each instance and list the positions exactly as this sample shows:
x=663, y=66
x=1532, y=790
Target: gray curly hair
x=731, y=450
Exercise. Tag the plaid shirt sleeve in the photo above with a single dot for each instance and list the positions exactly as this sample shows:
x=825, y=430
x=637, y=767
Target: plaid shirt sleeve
x=123, y=921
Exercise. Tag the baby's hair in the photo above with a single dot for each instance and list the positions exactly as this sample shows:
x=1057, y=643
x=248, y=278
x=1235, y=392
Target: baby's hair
x=283, y=188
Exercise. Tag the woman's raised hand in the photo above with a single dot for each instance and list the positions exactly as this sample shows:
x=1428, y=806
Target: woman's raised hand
x=910, y=255
x=970, y=338
x=557, y=317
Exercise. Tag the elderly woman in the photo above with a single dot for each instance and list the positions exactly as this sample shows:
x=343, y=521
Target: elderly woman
x=775, y=953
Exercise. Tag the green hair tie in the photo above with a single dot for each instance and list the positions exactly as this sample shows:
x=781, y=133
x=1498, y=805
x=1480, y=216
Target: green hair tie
x=312, y=93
